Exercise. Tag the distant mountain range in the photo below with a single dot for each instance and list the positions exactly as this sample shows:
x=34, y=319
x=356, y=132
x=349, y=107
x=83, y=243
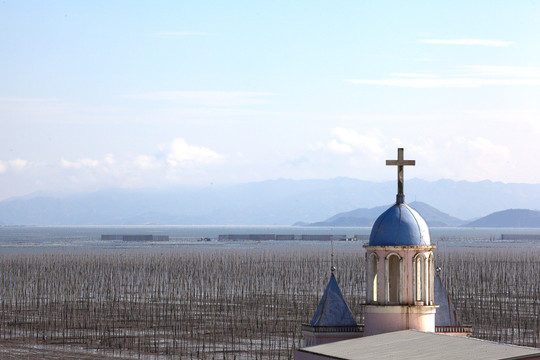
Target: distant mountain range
x=273, y=202
x=366, y=217
x=512, y=218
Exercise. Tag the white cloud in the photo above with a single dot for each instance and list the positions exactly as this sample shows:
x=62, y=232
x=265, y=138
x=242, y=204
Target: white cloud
x=349, y=139
x=470, y=76
x=486, y=149
x=338, y=147
x=206, y=98
x=183, y=154
x=481, y=42
x=18, y=164
x=80, y=163
x=176, y=162
x=472, y=158
x=146, y=162
x=109, y=159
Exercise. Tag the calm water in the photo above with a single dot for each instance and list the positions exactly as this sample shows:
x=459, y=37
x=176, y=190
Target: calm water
x=80, y=239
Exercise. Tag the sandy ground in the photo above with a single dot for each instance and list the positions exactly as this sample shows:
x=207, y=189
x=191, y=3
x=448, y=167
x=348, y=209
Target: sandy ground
x=14, y=351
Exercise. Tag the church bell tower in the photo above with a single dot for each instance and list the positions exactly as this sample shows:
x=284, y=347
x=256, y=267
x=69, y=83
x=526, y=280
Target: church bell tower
x=399, y=268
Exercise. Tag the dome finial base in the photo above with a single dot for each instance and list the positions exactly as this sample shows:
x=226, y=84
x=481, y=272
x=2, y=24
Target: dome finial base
x=400, y=199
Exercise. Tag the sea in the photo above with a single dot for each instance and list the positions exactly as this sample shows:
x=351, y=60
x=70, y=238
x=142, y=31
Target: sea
x=87, y=239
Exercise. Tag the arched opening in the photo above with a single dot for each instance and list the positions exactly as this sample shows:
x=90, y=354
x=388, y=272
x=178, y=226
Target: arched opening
x=394, y=278
x=420, y=279
x=373, y=273
x=430, y=280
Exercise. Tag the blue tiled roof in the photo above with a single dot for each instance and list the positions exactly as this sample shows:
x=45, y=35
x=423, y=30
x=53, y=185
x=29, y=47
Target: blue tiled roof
x=399, y=225
x=446, y=314
x=332, y=309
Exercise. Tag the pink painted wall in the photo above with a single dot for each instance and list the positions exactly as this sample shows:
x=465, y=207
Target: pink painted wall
x=382, y=319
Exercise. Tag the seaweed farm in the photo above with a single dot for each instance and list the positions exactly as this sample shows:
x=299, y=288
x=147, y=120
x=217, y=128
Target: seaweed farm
x=243, y=302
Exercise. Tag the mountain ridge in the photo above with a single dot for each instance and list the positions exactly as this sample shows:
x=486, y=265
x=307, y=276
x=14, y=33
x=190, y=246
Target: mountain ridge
x=270, y=202
x=510, y=218
x=366, y=217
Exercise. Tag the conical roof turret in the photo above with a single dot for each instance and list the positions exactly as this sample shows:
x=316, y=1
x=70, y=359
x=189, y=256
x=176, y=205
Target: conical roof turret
x=333, y=309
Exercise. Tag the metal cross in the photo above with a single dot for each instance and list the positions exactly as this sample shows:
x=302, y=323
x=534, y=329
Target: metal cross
x=400, y=162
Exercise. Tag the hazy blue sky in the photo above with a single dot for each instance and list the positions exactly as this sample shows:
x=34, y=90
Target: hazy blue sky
x=135, y=94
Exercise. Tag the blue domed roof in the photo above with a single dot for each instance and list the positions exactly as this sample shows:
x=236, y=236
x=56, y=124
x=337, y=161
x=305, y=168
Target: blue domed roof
x=399, y=225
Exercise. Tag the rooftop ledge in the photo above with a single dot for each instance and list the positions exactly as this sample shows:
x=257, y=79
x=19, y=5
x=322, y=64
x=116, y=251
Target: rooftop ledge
x=467, y=329
x=399, y=247
x=333, y=329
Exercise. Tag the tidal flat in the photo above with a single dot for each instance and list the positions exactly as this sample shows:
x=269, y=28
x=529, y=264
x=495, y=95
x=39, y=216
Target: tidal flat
x=235, y=302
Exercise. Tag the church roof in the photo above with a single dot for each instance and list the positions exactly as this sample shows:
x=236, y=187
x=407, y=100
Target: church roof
x=399, y=225
x=413, y=344
x=332, y=309
x=446, y=313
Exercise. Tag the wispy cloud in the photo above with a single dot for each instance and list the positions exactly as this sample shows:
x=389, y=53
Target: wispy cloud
x=26, y=100
x=507, y=71
x=177, y=161
x=446, y=82
x=346, y=141
x=146, y=162
x=79, y=163
x=176, y=154
x=478, y=42
x=339, y=147
x=15, y=164
x=182, y=33
x=471, y=76
x=413, y=75
x=206, y=98
x=18, y=164
x=485, y=157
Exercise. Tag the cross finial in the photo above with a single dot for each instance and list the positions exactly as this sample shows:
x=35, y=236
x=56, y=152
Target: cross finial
x=332, y=267
x=400, y=162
